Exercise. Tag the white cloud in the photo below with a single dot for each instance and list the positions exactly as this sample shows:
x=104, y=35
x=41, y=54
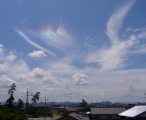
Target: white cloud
x=116, y=20
x=34, y=44
x=3, y=67
x=114, y=57
x=37, y=54
x=59, y=81
x=5, y=81
x=1, y=48
x=142, y=35
x=80, y=79
x=58, y=38
x=11, y=57
x=38, y=72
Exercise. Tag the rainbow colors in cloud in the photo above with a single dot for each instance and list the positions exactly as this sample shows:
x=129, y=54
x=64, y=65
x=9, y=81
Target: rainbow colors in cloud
x=57, y=39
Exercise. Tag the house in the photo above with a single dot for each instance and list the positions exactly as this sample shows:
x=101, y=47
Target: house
x=73, y=109
x=73, y=116
x=105, y=113
x=135, y=113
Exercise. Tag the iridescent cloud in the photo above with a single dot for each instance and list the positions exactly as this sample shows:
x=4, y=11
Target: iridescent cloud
x=58, y=38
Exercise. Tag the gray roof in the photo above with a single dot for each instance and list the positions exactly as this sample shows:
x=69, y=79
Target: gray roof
x=107, y=110
x=73, y=109
x=135, y=111
x=78, y=117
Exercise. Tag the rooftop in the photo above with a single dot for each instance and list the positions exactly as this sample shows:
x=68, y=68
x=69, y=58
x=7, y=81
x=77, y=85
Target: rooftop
x=107, y=110
x=134, y=111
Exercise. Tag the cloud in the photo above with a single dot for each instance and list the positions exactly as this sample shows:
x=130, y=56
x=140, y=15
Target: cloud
x=1, y=48
x=11, y=57
x=72, y=81
x=3, y=67
x=114, y=57
x=58, y=39
x=37, y=54
x=80, y=79
x=5, y=81
x=142, y=34
x=116, y=21
x=34, y=44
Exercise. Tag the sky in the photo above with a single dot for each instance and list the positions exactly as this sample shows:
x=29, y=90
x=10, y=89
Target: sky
x=70, y=50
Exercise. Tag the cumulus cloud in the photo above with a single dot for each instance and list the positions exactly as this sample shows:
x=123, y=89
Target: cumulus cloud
x=11, y=57
x=1, y=48
x=5, y=81
x=80, y=79
x=73, y=82
x=37, y=54
x=2, y=67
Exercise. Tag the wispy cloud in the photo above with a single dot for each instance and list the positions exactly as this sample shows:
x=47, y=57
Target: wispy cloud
x=34, y=44
x=114, y=56
x=116, y=21
x=58, y=38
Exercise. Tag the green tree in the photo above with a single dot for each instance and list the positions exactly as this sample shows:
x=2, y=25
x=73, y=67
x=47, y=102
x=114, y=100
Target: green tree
x=9, y=101
x=20, y=103
x=85, y=106
x=35, y=97
x=83, y=103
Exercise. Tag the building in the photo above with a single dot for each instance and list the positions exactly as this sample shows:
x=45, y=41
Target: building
x=105, y=113
x=73, y=116
x=73, y=110
x=135, y=113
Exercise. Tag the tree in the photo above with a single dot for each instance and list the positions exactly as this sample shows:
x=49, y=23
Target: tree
x=20, y=103
x=10, y=100
x=85, y=106
x=35, y=97
x=83, y=103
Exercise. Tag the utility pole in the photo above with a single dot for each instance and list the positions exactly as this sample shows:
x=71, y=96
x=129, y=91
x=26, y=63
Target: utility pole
x=45, y=110
x=27, y=100
x=27, y=97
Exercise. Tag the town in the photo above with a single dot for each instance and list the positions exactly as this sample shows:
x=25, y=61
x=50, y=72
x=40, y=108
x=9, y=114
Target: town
x=35, y=110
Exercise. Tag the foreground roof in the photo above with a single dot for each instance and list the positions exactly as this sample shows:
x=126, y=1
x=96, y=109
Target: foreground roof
x=78, y=117
x=107, y=110
x=135, y=111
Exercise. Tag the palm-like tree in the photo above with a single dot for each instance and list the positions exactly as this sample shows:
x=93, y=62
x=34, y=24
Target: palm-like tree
x=10, y=100
x=35, y=97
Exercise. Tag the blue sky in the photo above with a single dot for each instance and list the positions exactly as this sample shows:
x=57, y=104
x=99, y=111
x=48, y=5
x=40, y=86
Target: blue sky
x=69, y=50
